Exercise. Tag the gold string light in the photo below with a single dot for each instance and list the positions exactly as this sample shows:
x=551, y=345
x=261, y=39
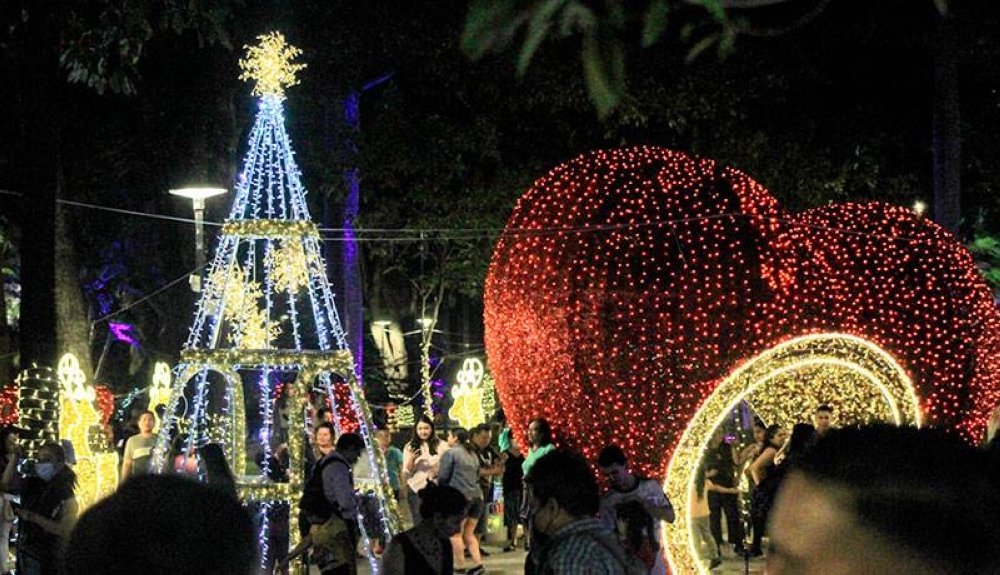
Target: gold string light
x=270, y=228
x=784, y=385
x=38, y=407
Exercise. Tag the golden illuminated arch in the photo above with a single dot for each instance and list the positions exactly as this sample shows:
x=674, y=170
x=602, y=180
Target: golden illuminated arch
x=784, y=385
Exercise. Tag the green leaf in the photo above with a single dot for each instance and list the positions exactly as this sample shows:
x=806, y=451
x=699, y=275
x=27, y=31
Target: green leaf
x=490, y=27
x=687, y=30
x=716, y=8
x=655, y=22
x=727, y=42
x=577, y=17
x=604, y=71
x=538, y=29
x=702, y=45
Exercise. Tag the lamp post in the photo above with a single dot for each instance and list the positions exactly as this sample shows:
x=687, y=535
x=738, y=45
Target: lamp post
x=197, y=197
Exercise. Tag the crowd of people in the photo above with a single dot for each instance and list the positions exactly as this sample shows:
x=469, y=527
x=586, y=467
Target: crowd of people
x=741, y=484
x=876, y=500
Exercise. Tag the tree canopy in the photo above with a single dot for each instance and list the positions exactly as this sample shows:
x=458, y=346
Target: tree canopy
x=837, y=107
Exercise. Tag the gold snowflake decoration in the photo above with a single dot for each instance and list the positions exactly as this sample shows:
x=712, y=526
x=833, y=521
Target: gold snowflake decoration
x=289, y=267
x=253, y=330
x=270, y=65
x=250, y=326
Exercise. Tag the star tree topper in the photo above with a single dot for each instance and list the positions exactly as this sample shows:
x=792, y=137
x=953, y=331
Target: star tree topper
x=270, y=65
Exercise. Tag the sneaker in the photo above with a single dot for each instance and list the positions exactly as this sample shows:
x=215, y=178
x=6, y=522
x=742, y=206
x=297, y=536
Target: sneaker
x=477, y=570
x=483, y=552
x=510, y=548
x=715, y=563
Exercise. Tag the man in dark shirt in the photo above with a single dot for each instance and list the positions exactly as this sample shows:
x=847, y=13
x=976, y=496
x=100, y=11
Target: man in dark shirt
x=490, y=466
x=720, y=467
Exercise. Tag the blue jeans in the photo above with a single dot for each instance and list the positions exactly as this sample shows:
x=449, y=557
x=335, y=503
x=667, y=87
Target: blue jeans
x=414, y=500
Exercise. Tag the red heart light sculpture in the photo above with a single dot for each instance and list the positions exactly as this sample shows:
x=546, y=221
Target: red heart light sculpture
x=630, y=283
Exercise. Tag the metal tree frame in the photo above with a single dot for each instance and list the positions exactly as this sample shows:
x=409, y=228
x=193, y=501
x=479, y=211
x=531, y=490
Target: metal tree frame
x=309, y=366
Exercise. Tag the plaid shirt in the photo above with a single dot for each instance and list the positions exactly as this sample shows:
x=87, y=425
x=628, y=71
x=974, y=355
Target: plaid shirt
x=585, y=548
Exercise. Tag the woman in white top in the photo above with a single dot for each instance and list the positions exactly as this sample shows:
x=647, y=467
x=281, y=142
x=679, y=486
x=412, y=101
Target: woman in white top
x=420, y=462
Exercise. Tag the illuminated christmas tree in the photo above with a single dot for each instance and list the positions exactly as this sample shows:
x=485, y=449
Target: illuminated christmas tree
x=266, y=330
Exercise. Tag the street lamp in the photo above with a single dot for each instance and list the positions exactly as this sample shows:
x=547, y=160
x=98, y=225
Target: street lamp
x=197, y=197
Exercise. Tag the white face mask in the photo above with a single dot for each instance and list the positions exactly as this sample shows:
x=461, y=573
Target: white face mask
x=45, y=470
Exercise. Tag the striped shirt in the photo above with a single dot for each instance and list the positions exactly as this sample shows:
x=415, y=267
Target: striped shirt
x=585, y=547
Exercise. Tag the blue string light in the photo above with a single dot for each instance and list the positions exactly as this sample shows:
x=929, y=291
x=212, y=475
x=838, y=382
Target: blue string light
x=267, y=296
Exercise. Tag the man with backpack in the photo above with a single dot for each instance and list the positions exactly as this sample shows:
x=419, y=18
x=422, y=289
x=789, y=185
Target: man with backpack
x=331, y=507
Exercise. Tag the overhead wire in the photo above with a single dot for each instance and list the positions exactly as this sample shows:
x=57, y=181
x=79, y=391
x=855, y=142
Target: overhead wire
x=477, y=233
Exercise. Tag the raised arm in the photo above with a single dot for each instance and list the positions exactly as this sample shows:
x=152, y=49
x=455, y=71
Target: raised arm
x=9, y=472
x=658, y=504
x=409, y=460
x=765, y=458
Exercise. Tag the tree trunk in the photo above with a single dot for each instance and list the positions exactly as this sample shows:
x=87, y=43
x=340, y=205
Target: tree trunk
x=947, y=143
x=352, y=303
x=72, y=326
x=38, y=182
x=6, y=349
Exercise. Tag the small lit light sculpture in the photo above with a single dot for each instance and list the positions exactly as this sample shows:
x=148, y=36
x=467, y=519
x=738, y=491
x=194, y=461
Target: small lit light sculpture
x=96, y=463
x=467, y=394
x=159, y=389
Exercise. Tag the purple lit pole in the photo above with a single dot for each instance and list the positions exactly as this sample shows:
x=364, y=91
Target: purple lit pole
x=353, y=315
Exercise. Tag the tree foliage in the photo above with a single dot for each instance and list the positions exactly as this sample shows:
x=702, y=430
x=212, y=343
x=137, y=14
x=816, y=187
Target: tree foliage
x=102, y=42
x=835, y=109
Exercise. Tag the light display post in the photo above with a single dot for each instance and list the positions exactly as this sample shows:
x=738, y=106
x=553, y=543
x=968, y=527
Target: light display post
x=266, y=321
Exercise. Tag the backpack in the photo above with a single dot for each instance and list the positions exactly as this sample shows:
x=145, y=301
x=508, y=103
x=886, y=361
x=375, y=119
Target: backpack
x=313, y=502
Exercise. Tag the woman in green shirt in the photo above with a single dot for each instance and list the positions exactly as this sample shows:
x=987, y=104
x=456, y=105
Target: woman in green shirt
x=539, y=443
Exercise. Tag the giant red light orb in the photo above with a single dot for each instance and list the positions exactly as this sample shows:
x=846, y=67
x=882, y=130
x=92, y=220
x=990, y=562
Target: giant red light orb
x=629, y=283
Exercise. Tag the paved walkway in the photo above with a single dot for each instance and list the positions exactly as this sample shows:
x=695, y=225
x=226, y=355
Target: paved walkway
x=512, y=563
x=500, y=563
